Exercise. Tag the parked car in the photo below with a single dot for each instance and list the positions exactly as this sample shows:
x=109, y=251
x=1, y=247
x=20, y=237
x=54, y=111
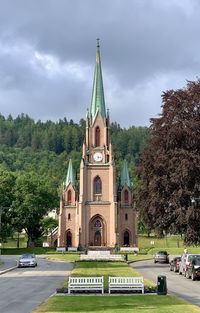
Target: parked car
x=161, y=257
x=186, y=261
x=193, y=268
x=174, y=264
x=27, y=260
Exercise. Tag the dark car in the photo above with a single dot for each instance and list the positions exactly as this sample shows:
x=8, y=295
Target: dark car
x=174, y=264
x=27, y=260
x=193, y=268
x=161, y=257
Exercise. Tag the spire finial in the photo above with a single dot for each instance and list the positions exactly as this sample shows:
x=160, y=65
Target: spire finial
x=98, y=102
x=98, y=45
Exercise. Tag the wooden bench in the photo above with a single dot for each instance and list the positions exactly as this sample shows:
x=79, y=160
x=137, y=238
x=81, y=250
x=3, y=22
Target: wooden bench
x=85, y=284
x=126, y=283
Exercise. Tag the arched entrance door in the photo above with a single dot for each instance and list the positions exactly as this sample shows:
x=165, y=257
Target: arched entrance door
x=126, y=238
x=97, y=238
x=97, y=231
x=69, y=239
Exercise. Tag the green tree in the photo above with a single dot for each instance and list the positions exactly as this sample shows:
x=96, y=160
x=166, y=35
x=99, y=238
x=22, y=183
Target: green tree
x=33, y=198
x=7, y=182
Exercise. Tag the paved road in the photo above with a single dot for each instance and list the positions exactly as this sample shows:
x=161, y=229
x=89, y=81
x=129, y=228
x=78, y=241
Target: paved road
x=176, y=284
x=23, y=289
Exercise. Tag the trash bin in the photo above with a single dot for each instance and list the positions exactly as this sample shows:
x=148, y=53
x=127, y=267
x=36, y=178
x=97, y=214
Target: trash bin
x=126, y=257
x=161, y=285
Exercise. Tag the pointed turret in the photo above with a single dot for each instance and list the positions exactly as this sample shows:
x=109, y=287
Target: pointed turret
x=70, y=175
x=98, y=102
x=125, y=179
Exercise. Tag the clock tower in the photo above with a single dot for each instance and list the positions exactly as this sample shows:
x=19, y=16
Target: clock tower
x=98, y=194
x=99, y=212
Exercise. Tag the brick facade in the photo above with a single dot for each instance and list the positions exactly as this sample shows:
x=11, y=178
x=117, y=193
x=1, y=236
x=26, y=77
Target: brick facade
x=98, y=213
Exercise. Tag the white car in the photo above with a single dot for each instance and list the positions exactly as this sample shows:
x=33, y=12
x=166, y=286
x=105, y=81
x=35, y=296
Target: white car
x=186, y=261
x=27, y=260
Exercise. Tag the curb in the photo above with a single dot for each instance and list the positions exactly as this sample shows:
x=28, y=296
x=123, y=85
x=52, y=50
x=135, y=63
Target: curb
x=8, y=270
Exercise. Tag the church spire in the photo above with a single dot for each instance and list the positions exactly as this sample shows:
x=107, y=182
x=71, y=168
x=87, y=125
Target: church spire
x=98, y=102
x=125, y=179
x=70, y=175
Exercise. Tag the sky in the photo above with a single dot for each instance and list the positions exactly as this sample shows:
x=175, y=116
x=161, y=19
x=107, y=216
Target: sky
x=48, y=47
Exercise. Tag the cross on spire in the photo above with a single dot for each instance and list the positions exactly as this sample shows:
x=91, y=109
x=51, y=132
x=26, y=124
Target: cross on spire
x=98, y=45
x=98, y=102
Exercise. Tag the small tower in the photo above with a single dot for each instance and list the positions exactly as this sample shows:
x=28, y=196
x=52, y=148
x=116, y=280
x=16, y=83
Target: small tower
x=127, y=214
x=68, y=210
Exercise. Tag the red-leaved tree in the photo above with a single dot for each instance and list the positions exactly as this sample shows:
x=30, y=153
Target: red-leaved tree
x=169, y=172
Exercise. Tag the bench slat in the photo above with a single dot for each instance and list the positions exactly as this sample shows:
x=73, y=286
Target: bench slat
x=126, y=283
x=85, y=283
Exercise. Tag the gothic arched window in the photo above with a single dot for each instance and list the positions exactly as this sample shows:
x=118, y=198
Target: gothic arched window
x=69, y=197
x=97, y=136
x=97, y=223
x=97, y=185
x=126, y=196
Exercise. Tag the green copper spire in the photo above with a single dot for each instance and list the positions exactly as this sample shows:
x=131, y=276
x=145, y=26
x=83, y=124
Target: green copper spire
x=125, y=179
x=98, y=102
x=70, y=175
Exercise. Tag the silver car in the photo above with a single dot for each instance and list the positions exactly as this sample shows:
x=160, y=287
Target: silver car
x=27, y=260
x=161, y=257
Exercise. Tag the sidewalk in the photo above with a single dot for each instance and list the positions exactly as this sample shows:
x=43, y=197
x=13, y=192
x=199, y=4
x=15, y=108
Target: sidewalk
x=9, y=263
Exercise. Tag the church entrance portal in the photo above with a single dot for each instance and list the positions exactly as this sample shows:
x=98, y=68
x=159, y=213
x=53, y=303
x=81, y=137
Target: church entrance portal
x=126, y=238
x=97, y=238
x=69, y=239
x=97, y=232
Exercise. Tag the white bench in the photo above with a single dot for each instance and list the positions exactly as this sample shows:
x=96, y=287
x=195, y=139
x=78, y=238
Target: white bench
x=126, y=283
x=85, y=284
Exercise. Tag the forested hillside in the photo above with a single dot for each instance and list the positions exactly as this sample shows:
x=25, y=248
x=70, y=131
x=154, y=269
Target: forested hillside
x=45, y=147
x=34, y=157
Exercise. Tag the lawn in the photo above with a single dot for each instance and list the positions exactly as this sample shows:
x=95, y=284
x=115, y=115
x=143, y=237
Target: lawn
x=173, y=244
x=115, y=304
x=75, y=256
x=67, y=257
x=105, y=269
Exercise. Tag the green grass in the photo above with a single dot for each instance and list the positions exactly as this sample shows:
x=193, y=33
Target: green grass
x=116, y=304
x=176, y=251
x=67, y=257
x=106, y=269
x=173, y=244
x=12, y=242
x=168, y=242
x=133, y=258
x=36, y=250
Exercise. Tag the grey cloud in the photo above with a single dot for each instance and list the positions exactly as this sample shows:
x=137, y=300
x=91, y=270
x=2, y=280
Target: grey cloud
x=142, y=41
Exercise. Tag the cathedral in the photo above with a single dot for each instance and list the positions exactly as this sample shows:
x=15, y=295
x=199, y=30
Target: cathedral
x=99, y=210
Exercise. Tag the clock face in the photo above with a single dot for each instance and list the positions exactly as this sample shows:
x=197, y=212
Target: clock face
x=98, y=156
